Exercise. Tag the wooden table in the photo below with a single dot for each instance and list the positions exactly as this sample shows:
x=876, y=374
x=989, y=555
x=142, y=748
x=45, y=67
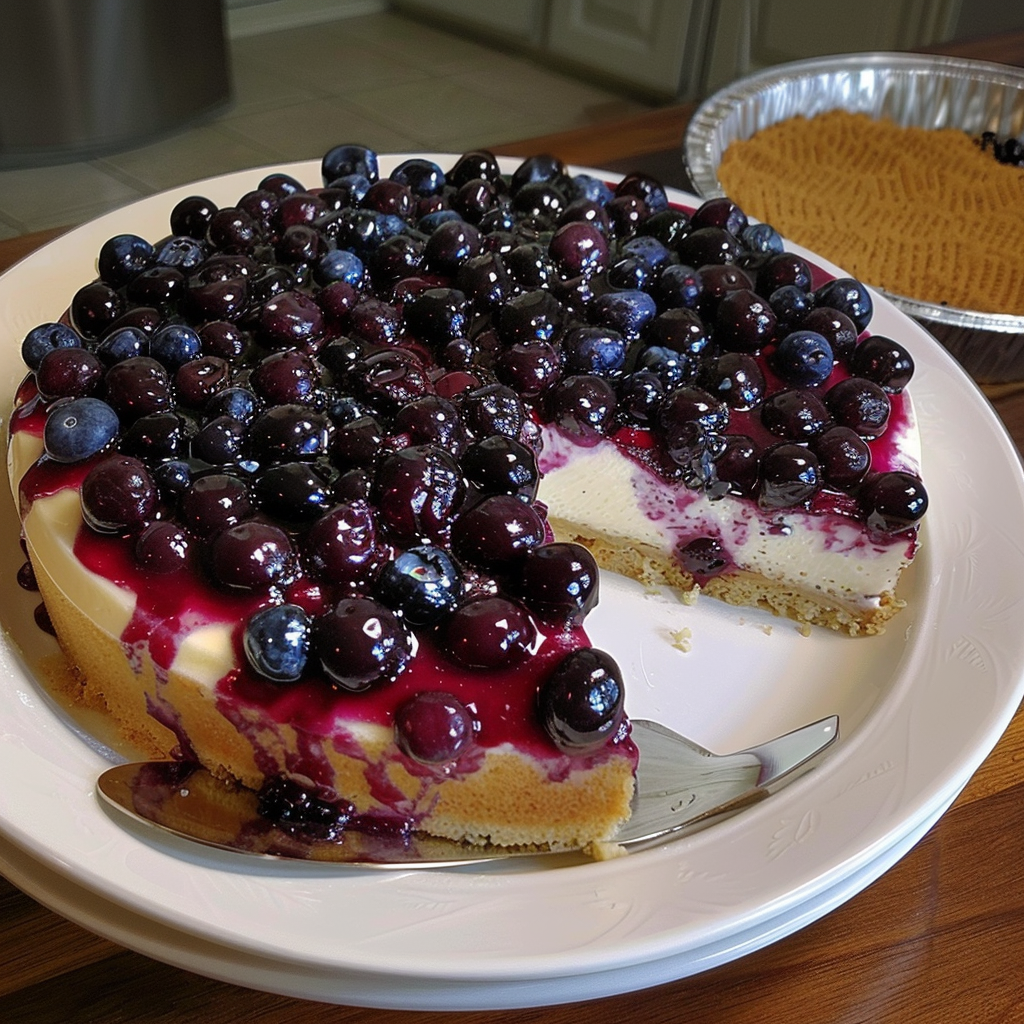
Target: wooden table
x=939, y=938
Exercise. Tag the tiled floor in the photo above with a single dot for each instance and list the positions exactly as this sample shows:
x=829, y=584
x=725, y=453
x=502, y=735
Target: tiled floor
x=383, y=80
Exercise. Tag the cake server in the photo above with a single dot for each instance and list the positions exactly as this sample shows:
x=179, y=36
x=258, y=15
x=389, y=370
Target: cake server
x=680, y=786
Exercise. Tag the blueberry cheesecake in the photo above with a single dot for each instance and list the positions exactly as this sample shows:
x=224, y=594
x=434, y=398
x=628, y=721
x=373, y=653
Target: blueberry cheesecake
x=315, y=487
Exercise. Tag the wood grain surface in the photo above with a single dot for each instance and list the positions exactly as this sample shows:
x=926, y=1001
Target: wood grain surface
x=939, y=939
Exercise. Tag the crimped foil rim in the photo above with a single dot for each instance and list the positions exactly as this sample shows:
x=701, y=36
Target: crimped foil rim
x=827, y=83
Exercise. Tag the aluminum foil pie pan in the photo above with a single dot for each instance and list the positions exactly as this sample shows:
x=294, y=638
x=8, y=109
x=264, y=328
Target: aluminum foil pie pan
x=911, y=90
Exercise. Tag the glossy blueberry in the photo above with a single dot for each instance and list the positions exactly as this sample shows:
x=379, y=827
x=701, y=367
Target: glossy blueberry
x=627, y=311
x=860, y=404
x=530, y=316
x=703, y=558
x=790, y=475
x=835, y=327
x=737, y=379
x=45, y=338
x=797, y=414
x=450, y=245
x=68, y=373
x=78, y=429
x=276, y=641
x=438, y=315
x=884, y=361
x=581, y=702
x=745, y=322
x=679, y=285
x=123, y=257
x=423, y=177
x=488, y=632
x=342, y=545
x=175, y=345
x=180, y=252
x=213, y=502
x=122, y=343
x=94, y=307
x=352, y=188
x=583, y=405
x=586, y=186
x=496, y=532
x=238, y=403
x=339, y=265
x=361, y=643
x=433, y=727
x=118, y=495
x=645, y=188
x=162, y=548
x=349, y=159
x=158, y=436
x=418, y=491
x=559, y=582
x=849, y=296
x=639, y=396
x=844, y=456
x=670, y=366
x=422, y=582
x=762, y=239
x=894, y=501
x=680, y=329
x=252, y=556
x=219, y=441
x=293, y=492
x=648, y=249
x=430, y=221
x=790, y=305
x=579, y=248
x=172, y=478
x=803, y=358
x=288, y=433
x=137, y=387
x=502, y=465
x=594, y=350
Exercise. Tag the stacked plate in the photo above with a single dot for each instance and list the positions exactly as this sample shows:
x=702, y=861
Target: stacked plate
x=920, y=708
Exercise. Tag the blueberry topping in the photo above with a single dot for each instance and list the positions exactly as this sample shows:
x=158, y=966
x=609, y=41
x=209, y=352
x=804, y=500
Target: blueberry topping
x=330, y=403
x=162, y=548
x=118, y=495
x=423, y=583
x=703, y=558
x=361, y=643
x=859, y=404
x=848, y=296
x=496, y=532
x=559, y=582
x=581, y=703
x=790, y=475
x=45, y=338
x=884, y=361
x=803, y=358
x=276, y=641
x=894, y=501
x=488, y=633
x=433, y=727
x=80, y=428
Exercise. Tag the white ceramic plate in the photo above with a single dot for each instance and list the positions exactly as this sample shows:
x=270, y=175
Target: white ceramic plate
x=920, y=709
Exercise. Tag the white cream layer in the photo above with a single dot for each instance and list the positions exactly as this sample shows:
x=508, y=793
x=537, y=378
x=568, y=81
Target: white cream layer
x=828, y=554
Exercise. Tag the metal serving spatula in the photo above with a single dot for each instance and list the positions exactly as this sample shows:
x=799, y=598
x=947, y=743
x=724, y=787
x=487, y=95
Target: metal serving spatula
x=679, y=787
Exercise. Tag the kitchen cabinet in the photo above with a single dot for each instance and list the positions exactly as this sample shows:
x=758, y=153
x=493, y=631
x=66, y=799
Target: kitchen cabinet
x=685, y=49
